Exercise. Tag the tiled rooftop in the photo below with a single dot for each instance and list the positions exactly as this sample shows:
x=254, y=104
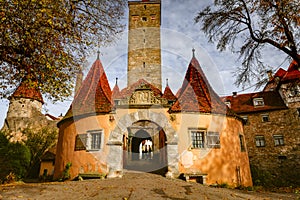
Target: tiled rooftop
x=243, y=103
x=168, y=94
x=196, y=94
x=25, y=90
x=282, y=76
x=94, y=95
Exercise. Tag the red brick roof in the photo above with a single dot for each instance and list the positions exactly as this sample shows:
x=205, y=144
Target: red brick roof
x=243, y=103
x=168, y=94
x=127, y=92
x=94, y=95
x=197, y=95
x=28, y=91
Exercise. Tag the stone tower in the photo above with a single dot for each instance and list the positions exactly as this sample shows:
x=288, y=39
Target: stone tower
x=25, y=104
x=144, y=52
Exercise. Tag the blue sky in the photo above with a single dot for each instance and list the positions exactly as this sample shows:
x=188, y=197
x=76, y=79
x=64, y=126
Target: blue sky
x=179, y=34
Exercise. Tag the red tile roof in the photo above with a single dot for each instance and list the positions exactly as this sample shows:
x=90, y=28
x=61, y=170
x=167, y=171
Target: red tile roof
x=127, y=92
x=94, y=95
x=28, y=91
x=243, y=103
x=178, y=93
x=292, y=72
x=197, y=95
x=283, y=76
x=116, y=92
x=168, y=94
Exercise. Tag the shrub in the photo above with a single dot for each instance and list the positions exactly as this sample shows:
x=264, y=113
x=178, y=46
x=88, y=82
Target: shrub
x=66, y=172
x=38, y=143
x=261, y=177
x=14, y=159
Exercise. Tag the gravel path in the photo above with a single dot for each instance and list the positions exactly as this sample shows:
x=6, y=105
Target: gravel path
x=132, y=186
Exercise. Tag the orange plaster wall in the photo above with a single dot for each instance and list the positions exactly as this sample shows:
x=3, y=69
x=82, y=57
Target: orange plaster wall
x=82, y=161
x=219, y=164
x=47, y=165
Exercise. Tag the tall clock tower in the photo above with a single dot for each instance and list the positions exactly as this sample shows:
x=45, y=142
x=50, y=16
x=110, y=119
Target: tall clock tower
x=144, y=50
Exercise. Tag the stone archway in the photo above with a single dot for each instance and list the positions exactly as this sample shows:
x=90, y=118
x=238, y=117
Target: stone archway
x=136, y=141
x=145, y=148
x=115, y=158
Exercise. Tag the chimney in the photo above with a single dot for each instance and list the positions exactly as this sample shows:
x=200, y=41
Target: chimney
x=78, y=83
x=270, y=74
x=234, y=94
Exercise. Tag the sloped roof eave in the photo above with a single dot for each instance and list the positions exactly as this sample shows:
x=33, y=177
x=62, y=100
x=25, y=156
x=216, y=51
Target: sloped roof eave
x=81, y=116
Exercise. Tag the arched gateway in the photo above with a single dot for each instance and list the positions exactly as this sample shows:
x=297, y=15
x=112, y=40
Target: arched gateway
x=106, y=131
x=143, y=141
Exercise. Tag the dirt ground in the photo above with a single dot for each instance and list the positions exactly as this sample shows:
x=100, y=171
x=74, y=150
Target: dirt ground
x=133, y=186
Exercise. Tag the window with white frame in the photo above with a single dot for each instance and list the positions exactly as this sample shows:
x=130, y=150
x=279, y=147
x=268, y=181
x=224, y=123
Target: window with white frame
x=278, y=140
x=197, y=138
x=257, y=102
x=246, y=120
x=260, y=141
x=213, y=140
x=265, y=117
x=92, y=140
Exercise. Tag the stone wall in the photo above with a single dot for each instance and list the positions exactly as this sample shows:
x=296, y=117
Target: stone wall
x=290, y=93
x=25, y=113
x=281, y=163
x=144, y=52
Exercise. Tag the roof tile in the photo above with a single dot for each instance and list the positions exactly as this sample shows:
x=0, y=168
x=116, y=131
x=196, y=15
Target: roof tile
x=94, y=95
x=284, y=76
x=243, y=103
x=28, y=91
x=168, y=94
x=128, y=91
x=196, y=94
x=116, y=92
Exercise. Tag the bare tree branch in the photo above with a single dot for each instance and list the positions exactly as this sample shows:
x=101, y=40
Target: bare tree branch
x=252, y=23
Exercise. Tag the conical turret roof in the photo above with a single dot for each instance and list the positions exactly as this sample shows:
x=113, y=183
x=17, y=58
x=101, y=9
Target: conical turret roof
x=94, y=95
x=196, y=94
x=168, y=94
x=116, y=91
x=28, y=90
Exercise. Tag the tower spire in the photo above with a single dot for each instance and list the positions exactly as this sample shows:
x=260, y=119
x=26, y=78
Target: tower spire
x=98, y=54
x=116, y=80
x=193, y=50
x=167, y=80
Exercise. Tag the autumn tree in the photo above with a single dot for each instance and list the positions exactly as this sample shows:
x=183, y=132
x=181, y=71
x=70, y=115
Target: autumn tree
x=38, y=142
x=248, y=27
x=45, y=42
